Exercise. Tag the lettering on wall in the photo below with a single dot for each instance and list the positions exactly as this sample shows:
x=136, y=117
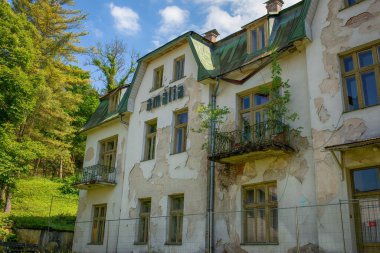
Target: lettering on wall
x=168, y=95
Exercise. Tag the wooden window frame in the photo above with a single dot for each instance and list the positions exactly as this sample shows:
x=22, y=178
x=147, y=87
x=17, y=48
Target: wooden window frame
x=158, y=78
x=113, y=101
x=356, y=2
x=177, y=77
x=97, y=238
x=103, y=154
x=256, y=27
x=143, y=232
x=267, y=206
x=357, y=71
x=182, y=126
x=252, y=109
x=150, y=139
x=178, y=214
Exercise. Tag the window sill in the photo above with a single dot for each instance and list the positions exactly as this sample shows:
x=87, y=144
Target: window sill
x=260, y=243
x=140, y=243
x=356, y=110
x=147, y=160
x=179, y=153
x=156, y=89
x=177, y=80
x=173, y=243
x=349, y=6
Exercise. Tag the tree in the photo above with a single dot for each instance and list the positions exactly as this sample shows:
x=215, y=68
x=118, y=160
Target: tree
x=109, y=59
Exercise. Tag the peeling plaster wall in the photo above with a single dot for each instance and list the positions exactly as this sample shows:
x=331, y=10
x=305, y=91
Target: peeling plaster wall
x=106, y=195
x=335, y=30
x=167, y=174
x=293, y=173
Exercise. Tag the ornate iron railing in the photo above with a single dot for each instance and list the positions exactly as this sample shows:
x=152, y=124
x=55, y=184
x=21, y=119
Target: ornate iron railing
x=250, y=138
x=97, y=174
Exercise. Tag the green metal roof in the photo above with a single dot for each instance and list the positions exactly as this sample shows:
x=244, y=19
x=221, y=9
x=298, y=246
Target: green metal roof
x=216, y=59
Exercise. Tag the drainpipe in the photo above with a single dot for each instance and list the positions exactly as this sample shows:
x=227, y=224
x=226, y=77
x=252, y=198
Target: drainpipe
x=211, y=176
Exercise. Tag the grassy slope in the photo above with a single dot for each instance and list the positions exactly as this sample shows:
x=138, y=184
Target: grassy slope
x=31, y=205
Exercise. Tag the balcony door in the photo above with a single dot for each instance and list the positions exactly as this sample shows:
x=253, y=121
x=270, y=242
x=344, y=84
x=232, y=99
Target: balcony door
x=366, y=192
x=253, y=116
x=108, y=157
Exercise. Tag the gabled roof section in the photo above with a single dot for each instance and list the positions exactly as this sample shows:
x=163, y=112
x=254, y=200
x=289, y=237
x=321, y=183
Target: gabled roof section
x=231, y=52
x=101, y=114
x=220, y=58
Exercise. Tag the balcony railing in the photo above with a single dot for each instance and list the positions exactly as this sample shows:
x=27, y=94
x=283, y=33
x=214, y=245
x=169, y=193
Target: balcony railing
x=98, y=174
x=258, y=138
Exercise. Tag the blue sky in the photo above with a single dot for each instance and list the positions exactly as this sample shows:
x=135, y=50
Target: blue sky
x=148, y=24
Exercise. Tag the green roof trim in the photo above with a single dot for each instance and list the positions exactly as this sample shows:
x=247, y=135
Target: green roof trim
x=215, y=59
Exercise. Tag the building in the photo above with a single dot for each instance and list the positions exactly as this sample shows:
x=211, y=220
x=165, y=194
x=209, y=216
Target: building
x=308, y=185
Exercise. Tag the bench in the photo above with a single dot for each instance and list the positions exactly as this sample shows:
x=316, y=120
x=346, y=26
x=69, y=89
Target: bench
x=10, y=247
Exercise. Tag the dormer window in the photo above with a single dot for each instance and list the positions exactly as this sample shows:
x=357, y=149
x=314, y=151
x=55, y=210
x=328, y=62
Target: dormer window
x=114, y=101
x=257, y=37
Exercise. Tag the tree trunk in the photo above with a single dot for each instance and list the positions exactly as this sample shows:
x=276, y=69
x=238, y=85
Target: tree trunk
x=3, y=194
x=60, y=169
x=8, y=203
x=36, y=166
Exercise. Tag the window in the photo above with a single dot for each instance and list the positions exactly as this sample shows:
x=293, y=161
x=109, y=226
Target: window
x=144, y=222
x=98, y=224
x=361, y=77
x=108, y=153
x=257, y=38
x=252, y=109
x=176, y=219
x=113, y=101
x=150, y=141
x=179, y=68
x=158, y=77
x=180, y=133
x=366, y=195
x=260, y=216
x=352, y=2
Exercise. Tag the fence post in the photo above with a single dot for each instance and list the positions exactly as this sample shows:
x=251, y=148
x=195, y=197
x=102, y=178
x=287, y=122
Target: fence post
x=341, y=221
x=49, y=218
x=297, y=231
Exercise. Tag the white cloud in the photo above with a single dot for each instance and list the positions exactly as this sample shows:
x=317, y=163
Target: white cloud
x=173, y=20
x=126, y=20
x=228, y=16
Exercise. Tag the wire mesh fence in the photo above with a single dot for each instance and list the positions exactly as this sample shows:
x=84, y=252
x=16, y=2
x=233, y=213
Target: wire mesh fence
x=347, y=226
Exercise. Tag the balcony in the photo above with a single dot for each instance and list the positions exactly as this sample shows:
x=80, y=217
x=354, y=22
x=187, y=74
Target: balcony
x=96, y=176
x=270, y=138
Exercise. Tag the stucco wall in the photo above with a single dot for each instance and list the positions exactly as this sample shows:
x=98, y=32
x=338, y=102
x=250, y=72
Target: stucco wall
x=109, y=195
x=168, y=173
x=335, y=30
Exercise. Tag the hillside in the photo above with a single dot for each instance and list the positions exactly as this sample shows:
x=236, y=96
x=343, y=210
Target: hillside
x=35, y=198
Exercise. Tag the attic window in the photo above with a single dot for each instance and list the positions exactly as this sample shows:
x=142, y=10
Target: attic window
x=257, y=37
x=114, y=101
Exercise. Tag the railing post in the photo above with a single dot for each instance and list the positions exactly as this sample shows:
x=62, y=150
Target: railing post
x=341, y=221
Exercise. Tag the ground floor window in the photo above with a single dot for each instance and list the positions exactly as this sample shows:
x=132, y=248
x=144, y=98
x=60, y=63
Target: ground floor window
x=98, y=224
x=366, y=194
x=144, y=222
x=176, y=219
x=260, y=215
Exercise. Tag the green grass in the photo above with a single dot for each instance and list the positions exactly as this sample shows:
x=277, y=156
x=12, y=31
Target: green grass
x=32, y=201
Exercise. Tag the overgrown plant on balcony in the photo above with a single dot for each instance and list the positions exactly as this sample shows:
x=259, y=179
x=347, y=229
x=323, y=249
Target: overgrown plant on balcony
x=278, y=91
x=207, y=115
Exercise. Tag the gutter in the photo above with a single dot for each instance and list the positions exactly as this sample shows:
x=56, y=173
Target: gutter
x=211, y=177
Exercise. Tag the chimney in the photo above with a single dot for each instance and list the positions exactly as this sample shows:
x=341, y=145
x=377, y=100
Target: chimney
x=211, y=35
x=274, y=6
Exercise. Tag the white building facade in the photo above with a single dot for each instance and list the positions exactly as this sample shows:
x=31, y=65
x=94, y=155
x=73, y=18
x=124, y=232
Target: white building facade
x=306, y=185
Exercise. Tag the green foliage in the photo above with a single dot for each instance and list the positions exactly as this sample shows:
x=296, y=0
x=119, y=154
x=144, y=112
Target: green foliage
x=68, y=187
x=6, y=232
x=109, y=59
x=32, y=200
x=280, y=95
x=207, y=114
